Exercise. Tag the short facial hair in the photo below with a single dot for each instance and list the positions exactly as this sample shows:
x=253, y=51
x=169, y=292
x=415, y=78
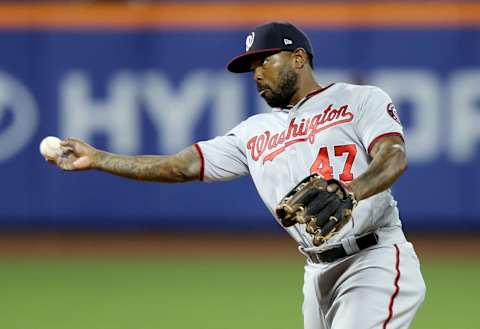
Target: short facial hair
x=281, y=96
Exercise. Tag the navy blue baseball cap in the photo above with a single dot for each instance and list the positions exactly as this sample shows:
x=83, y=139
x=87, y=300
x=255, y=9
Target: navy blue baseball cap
x=268, y=39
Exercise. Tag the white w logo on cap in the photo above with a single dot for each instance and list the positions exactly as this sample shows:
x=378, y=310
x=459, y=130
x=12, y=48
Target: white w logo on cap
x=249, y=41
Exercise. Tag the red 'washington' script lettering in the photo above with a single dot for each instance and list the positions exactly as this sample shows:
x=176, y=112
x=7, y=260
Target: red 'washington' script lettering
x=305, y=131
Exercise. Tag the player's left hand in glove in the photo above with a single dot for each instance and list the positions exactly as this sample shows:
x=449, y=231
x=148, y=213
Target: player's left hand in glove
x=324, y=213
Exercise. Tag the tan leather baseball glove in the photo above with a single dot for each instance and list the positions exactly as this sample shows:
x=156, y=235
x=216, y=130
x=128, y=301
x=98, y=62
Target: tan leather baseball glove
x=323, y=213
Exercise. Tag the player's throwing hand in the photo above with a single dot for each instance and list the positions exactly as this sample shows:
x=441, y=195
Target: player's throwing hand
x=77, y=155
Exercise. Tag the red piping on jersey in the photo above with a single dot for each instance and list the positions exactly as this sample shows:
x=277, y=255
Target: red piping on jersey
x=397, y=288
x=311, y=94
x=380, y=137
x=202, y=161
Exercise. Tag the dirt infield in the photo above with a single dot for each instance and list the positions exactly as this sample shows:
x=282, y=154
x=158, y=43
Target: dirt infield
x=156, y=244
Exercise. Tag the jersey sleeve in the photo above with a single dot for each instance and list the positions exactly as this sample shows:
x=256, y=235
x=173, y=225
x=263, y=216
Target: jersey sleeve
x=377, y=118
x=222, y=157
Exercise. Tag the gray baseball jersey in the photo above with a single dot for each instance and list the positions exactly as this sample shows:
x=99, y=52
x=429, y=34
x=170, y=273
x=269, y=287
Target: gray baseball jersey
x=331, y=132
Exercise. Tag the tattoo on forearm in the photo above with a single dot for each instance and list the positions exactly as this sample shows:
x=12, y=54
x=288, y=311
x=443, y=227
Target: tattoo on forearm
x=181, y=167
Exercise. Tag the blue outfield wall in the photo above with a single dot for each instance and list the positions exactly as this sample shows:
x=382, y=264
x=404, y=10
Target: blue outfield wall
x=155, y=92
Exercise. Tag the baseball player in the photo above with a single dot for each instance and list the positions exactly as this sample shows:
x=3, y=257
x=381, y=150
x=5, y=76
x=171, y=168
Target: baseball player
x=365, y=275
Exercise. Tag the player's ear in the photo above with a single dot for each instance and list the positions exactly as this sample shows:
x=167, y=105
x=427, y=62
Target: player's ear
x=300, y=58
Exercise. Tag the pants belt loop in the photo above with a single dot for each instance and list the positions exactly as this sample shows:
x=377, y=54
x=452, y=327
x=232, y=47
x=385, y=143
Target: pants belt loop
x=350, y=245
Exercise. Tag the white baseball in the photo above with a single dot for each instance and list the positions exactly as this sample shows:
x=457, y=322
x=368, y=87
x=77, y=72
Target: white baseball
x=50, y=147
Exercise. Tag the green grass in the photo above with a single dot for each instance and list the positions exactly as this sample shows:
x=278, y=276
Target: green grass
x=452, y=296
x=204, y=294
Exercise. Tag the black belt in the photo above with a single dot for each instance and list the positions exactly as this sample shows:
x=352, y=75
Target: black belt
x=336, y=253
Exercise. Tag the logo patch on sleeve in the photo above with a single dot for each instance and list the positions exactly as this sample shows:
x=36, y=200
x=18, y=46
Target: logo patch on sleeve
x=392, y=111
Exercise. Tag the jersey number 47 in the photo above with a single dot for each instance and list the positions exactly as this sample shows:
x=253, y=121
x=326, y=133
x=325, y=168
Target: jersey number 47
x=322, y=164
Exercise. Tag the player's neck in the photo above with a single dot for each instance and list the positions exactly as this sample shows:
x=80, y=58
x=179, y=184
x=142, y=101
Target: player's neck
x=306, y=86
